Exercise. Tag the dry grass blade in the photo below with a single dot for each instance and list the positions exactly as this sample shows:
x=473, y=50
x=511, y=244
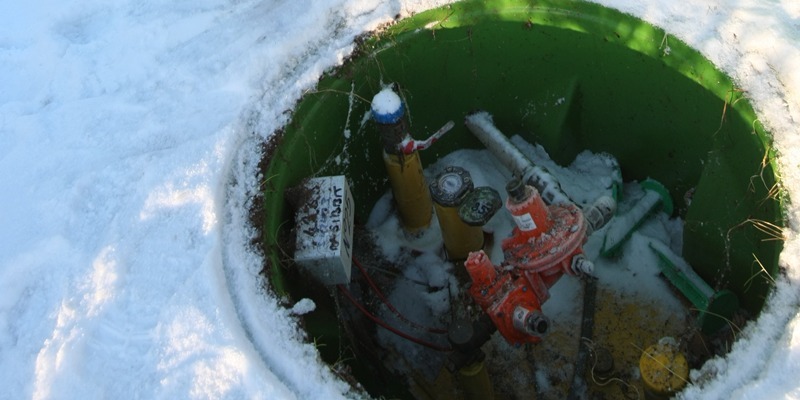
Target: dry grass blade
x=339, y=92
x=730, y=102
x=734, y=328
x=760, y=272
x=774, y=232
x=774, y=191
x=660, y=363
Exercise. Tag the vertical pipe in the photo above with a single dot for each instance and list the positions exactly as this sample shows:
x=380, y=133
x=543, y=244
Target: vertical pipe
x=459, y=238
x=410, y=190
x=475, y=382
x=405, y=170
x=449, y=190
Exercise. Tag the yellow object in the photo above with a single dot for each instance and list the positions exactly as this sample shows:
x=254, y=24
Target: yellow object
x=664, y=369
x=410, y=190
x=475, y=382
x=459, y=238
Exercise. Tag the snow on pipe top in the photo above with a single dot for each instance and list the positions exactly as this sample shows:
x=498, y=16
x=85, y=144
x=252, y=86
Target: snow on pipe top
x=481, y=125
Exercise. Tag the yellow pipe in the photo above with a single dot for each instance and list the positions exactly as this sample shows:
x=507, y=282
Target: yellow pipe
x=475, y=382
x=459, y=238
x=410, y=190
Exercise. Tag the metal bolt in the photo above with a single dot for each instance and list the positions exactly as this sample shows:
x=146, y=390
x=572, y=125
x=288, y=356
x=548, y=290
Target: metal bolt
x=582, y=265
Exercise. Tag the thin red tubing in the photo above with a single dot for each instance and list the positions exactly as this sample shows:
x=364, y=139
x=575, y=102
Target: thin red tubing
x=389, y=304
x=389, y=327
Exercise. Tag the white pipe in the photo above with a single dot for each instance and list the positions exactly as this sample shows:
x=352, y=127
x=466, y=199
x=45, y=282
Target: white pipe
x=481, y=125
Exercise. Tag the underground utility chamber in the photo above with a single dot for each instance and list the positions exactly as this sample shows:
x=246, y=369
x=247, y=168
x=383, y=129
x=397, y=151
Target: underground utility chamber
x=566, y=106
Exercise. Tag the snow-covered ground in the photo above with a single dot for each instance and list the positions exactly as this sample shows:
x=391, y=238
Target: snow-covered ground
x=128, y=143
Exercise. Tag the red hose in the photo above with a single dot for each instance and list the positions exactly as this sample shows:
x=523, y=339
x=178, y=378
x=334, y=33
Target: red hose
x=387, y=326
x=389, y=304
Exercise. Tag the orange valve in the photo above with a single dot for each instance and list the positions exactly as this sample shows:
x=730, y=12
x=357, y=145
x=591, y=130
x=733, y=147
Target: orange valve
x=508, y=300
x=527, y=208
x=480, y=269
x=545, y=244
x=545, y=251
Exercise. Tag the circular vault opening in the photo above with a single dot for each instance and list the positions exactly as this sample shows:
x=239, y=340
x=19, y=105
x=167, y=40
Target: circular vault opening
x=569, y=78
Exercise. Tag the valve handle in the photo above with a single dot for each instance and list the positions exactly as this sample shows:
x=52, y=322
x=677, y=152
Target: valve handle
x=409, y=145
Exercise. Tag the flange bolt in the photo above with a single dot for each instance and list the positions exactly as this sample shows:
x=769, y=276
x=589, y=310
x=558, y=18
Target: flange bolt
x=582, y=265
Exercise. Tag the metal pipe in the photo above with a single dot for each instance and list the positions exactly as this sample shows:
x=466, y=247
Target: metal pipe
x=475, y=382
x=449, y=190
x=467, y=337
x=405, y=172
x=481, y=125
x=410, y=191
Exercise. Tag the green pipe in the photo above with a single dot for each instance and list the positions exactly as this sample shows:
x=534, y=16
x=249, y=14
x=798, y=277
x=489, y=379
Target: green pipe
x=715, y=308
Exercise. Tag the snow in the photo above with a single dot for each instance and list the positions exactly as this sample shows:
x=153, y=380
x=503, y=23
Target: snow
x=128, y=145
x=386, y=102
x=304, y=306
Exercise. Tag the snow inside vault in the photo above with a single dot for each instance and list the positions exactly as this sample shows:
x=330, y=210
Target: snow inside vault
x=128, y=151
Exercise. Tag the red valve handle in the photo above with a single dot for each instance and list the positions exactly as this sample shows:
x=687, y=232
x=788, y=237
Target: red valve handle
x=409, y=145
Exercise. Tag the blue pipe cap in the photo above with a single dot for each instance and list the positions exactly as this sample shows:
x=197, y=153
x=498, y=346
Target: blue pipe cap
x=387, y=108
